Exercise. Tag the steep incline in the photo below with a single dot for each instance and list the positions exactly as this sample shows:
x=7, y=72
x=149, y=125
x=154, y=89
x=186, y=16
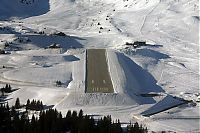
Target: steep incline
x=23, y=8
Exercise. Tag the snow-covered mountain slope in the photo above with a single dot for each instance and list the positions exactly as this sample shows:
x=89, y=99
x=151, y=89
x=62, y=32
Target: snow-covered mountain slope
x=168, y=65
x=23, y=8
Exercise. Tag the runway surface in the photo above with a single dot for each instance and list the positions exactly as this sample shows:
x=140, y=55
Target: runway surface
x=97, y=74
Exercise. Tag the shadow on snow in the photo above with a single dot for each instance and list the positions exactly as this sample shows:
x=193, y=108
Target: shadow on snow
x=28, y=8
x=138, y=80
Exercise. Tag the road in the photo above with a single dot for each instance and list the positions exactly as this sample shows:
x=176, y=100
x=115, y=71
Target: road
x=97, y=75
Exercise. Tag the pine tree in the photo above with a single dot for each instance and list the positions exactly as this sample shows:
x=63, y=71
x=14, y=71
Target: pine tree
x=41, y=105
x=17, y=104
x=38, y=107
x=74, y=114
x=80, y=115
x=69, y=114
x=6, y=87
x=2, y=91
x=9, y=88
x=51, y=121
x=28, y=104
x=33, y=125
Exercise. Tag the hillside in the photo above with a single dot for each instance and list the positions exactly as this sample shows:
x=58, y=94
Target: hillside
x=144, y=79
x=23, y=8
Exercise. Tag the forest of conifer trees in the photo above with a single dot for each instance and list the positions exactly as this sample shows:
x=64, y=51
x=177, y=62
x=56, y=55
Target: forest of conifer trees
x=51, y=121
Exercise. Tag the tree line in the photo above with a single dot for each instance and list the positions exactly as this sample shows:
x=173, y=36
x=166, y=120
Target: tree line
x=51, y=121
x=6, y=89
x=36, y=105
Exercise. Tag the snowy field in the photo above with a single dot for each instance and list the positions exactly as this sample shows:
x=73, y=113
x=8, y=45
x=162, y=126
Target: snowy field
x=168, y=66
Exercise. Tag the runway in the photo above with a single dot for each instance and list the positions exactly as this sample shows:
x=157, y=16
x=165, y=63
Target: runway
x=97, y=74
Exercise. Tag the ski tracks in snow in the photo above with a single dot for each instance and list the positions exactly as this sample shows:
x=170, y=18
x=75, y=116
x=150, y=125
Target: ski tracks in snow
x=145, y=18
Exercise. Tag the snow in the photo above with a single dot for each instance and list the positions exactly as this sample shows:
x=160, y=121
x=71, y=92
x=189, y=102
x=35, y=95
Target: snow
x=23, y=9
x=167, y=66
x=165, y=103
x=179, y=119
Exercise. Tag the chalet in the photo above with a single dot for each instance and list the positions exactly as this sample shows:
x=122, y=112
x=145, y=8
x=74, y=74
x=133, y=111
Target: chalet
x=60, y=34
x=136, y=44
x=139, y=43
